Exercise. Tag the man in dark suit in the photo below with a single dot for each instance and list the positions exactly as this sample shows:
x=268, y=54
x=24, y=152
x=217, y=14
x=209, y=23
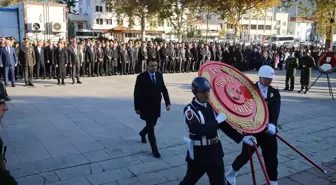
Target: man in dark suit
x=61, y=60
x=107, y=59
x=39, y=54
x=76, y=59
x=266, y=139
x=149, y=86
x=9, y=60
x=50, y=65
x=142, y=55
x=100, y=57
x=91, y=57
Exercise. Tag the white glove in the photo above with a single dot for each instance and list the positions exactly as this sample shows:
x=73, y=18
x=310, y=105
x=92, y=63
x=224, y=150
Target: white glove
x=271, y=129
x=221, y=117
x=249, y=140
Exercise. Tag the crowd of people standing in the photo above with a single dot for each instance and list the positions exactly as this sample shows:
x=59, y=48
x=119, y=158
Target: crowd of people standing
x=92, y=58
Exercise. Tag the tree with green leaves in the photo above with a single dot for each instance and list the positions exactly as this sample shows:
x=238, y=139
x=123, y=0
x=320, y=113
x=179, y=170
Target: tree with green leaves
x=324, y=13
x=6, y=3
x=71, y=5
x=134, y=10
x=180, y=14
x=233, y=10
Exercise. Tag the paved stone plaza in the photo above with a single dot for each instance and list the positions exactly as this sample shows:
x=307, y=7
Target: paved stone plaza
x=88, y=134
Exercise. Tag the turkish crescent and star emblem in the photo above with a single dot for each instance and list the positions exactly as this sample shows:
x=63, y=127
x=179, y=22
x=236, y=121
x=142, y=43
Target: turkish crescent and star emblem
x=234, y=94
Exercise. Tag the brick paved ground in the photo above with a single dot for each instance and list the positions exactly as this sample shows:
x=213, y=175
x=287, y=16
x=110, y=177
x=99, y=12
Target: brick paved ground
x=313, y=176
x=88, y=134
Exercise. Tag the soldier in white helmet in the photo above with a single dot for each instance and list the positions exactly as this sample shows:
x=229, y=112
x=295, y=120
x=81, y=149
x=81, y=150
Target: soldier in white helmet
x=266, y=139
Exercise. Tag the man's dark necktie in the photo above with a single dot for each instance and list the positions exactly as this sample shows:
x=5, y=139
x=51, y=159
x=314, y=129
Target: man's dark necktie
x=153, y=79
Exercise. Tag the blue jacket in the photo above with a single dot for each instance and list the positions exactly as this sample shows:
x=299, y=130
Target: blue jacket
x=8, y=58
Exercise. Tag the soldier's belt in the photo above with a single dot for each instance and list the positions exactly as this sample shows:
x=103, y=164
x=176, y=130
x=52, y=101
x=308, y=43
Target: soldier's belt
x=206, y=142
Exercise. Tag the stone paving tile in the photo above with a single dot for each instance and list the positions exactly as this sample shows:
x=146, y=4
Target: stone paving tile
x=70, y=138
x=109, y=176
x=148, y=167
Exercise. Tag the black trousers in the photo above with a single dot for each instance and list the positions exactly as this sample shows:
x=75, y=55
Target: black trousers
x=108, y=67
x=269, y=147
x=163, y=66
x=40, y=65
x=28, y=74
x=149, y=129
x=196, y=169
x=75, y=73
x=98, y=66
x=143, y=66
x=90, y=67
x=60, y=73
x=292, y=81
x=49, y=70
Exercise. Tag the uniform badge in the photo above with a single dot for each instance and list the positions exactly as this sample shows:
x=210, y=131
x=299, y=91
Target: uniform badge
x=271, y=95
x=190, y=115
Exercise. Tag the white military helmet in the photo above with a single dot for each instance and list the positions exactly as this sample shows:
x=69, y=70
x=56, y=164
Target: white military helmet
x=266, y=71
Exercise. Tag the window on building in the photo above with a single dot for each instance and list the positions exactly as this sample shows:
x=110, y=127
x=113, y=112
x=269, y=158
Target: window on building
x=99, y=9
x=109, y=21
x=260, y=27
x=120, y=21
x=254, y=17
x=278, y=22
x=99, y=21
x=80, y=26
x=253, y=27
x=168, y=24
x=284, y=23
x=268, y=27
x=108, y=8
x=161, y=24
x=153, y=24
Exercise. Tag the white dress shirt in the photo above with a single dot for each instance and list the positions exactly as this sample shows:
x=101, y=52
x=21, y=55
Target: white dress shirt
x=200, y=103
x=263, y=89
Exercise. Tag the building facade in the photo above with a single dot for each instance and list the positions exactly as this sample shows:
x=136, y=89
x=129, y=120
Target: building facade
x=103, y=18
x=302, y=28
x=258, y=27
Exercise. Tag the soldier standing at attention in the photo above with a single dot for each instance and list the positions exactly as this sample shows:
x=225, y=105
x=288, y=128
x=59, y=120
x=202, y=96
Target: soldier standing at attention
x=307, y=64
x=291, y=64
x=266, y=139
x=27, y=58
x=205, y=153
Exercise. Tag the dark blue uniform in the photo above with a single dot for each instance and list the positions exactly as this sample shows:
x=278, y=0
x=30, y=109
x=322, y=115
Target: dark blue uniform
x=208, y=152
x=267, y=142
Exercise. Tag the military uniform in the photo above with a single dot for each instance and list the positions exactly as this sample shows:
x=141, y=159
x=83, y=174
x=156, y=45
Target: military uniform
x=27, y=59
x=307, y=64
x=266, y=139
x=205, y=153
x=291, y=64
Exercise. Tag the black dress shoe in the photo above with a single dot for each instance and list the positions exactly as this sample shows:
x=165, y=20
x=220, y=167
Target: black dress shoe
x=286, y=89
x=156, y=154
x=79, y=82
x=31, y=84
x=63, y=83
x=13, y=85
x=143, y=138
x=300, y=91
x=73, y=82
x=290, y=89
